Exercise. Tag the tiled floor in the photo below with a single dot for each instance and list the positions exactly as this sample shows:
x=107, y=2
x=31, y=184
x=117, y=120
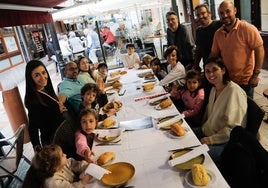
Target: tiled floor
x=7, y=131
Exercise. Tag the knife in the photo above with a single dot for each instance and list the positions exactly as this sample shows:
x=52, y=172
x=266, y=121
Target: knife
x=107, y=144
x=181, y=149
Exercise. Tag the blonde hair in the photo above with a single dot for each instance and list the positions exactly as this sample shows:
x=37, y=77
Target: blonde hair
x=47, y=160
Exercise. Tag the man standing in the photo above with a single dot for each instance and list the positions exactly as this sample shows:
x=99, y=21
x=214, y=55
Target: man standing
x=179, y=36
x=204, y=33
x=241, y=47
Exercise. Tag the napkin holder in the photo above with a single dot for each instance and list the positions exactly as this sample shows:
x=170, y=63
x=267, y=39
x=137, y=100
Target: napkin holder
x=189, y=155
x=96, y=171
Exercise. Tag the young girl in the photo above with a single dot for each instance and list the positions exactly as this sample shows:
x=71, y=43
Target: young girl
x=145, y=63
x=84, y=137
x=192, y=97
x=93, y=98
x=85, y=73
x=101, y=72
x=55, y=170
x=156, y=68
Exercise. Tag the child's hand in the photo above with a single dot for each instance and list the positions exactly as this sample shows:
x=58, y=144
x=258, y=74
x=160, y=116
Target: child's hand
x=85, y=178
x=120, y=43
x=111, y=112
x=88, y=154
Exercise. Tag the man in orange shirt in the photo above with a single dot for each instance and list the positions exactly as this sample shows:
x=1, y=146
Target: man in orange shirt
x=241, y=47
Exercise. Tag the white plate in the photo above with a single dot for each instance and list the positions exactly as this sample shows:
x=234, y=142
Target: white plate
x=111, y=135
x=189, y=179
x=111, y=91
x=112, y=79
x=173, y=135
x=157, y=107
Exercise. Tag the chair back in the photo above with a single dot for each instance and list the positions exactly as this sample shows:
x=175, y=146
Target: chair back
x=65, y=138
x=255, y=115
x=10, y=161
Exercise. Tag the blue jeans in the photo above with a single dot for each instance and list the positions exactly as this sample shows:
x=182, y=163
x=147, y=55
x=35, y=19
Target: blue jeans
x=248, y=89
x=214, y=150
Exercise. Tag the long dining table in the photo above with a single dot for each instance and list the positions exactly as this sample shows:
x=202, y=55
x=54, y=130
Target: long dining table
x=147, y=149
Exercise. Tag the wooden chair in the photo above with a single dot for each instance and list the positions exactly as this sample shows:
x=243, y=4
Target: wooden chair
x=12, y=155
x=255, y=116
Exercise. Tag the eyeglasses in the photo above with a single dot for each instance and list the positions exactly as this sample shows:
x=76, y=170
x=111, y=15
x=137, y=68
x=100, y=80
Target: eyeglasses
x=72, y=68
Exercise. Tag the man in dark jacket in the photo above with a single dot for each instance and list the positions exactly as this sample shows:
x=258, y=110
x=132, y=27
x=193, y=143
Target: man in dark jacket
x=180, y=36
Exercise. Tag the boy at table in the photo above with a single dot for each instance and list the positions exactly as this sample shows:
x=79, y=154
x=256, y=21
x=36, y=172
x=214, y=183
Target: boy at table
x=130, y=59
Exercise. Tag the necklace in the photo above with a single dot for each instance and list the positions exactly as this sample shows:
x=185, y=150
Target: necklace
x=48, y=96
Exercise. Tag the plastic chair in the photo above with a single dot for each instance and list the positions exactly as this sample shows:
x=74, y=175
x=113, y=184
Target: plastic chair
x=13, y=154
x=65, y=138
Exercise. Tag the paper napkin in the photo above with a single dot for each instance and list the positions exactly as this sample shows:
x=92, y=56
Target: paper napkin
x=159, y=98
x=170, y=121
x=96, y=171
x=188, y=156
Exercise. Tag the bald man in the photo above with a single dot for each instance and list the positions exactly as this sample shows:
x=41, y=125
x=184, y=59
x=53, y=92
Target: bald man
x=240, y=45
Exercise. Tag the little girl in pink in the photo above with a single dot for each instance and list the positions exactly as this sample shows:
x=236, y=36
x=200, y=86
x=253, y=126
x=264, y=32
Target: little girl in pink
x=192, y=97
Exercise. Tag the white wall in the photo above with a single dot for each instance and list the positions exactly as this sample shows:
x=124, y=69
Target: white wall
x=264, y=15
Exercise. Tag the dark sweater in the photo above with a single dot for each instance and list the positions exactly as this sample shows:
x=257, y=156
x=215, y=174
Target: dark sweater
x=45, y=119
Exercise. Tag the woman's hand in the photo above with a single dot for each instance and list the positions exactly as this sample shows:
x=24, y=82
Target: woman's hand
x=62, y=107
x=205, y=140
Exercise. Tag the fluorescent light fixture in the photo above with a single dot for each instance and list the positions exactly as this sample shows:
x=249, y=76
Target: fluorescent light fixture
x=25, y=8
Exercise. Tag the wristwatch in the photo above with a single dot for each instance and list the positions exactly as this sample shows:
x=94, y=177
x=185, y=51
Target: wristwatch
x=256, y=72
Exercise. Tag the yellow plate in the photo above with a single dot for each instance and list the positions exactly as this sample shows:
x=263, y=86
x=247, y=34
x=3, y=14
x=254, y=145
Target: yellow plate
x=120, y=173
x=187, y=165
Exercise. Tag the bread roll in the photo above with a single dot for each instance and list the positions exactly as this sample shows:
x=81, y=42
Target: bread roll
x=148, y=87
x=115, y=73
x=149, y=75
x=115, y=104
x=105, y=158
x=178, y=129
x=117, y=84
x=165, y=103
x=108, y=122
x=200, y=175
x=123, y=72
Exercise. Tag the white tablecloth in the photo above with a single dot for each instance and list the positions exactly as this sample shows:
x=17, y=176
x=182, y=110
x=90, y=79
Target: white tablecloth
x=147, y=149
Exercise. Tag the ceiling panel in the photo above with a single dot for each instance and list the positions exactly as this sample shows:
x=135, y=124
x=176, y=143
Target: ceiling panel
x=37, y=3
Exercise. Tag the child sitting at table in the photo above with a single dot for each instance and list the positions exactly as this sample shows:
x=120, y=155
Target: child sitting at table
x=101, y=72
x=131, y=59
x=191, y=98
x=55, y=170
x=84, y=137
x=155, y=65
x=145, y=63
x=93, y=98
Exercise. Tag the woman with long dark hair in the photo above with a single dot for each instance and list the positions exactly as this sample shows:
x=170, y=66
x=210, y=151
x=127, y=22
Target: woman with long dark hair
x=44, y=108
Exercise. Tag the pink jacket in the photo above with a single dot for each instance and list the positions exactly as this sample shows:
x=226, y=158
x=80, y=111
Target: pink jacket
x=81, y=143
x=193, y=105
